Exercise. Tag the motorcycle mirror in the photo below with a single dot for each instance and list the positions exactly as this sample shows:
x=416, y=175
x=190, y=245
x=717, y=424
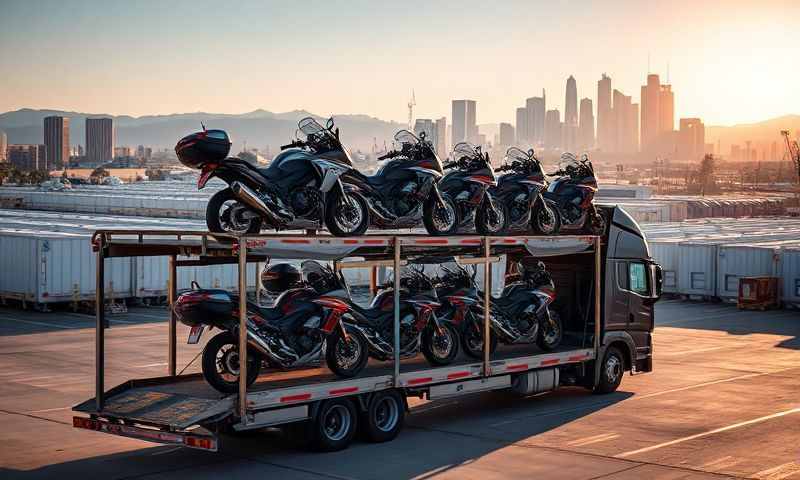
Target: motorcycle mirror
x=203, y=125
x=530, y=152
x=337, y=132
x=329, y=123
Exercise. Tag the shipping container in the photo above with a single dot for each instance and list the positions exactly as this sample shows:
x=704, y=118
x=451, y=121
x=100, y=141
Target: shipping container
x=790, y=276
x=742, y=260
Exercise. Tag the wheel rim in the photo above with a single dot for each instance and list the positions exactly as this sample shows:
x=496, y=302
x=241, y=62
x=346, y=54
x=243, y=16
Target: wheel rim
x=613, y=368
x=551, y=332
x=496, y=218
x=442, y=343
x=348, y=353
x=228, y=363
x=385, y=414
x=546, y=220
x=348, y=215
x=444, y=215
x=336, y=423
x=474, y=339
x=231, y=217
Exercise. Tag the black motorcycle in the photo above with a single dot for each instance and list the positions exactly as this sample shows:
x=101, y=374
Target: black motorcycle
x=519, y=194
x=289, y=334
x=571, y=194
x=402, y=193
x=522, y=314
x=467, y=183
x=290, y=193
x=421, y=329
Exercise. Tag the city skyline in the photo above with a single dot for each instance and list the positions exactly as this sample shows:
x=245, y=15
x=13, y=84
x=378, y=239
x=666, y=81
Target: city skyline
x=726, y=58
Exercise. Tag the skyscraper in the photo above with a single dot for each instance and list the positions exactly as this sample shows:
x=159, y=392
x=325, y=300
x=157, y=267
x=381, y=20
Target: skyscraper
x=571, y=102
x=464, y=127
x=441, y=137
x=506, y=135
x=586, y=125
x=626, y=124
x=605, y=121
x=691, y=139
x=650, y=113
x=28, y=157
x=56, y=141
x=666, y=109
x=552, y=129
x=99, y=140
x=3, y=146
x=522, y=125
x=536, y=113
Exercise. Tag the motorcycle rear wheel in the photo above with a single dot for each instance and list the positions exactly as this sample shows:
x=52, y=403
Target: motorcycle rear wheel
x=215, y=215
x=550, y=336
x=472, y=339
x=432, y=213
x=485, y=224
x=220, y=363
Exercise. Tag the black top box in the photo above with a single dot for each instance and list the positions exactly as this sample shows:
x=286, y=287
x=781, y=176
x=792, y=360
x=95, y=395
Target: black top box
x=198, y=149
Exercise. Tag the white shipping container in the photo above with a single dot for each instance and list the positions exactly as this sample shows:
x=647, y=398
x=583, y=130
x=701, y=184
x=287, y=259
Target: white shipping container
x=790, y=275
x=697, y=269
x=736, y=261
x=667, y=253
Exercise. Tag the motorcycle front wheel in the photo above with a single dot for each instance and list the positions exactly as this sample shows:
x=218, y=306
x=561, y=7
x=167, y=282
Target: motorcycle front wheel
x=472, y=339
x=595, y=222
x=220, y=363
x=226, y=214
x=440, y=346
x=346, y=216
x=545, y=220
x=440, y=220
x=346, y=357
x=491, y=221
x=550, y=333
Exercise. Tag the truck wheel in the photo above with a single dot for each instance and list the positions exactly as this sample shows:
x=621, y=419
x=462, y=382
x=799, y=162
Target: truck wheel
x=335, y=425
x=611, y=371
x=384, y=417
x=220, y=363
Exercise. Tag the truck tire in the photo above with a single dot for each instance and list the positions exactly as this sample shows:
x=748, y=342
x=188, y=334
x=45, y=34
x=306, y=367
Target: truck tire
x=220, y=363
x=335, y=425
x=384, y=417
x=611, y=371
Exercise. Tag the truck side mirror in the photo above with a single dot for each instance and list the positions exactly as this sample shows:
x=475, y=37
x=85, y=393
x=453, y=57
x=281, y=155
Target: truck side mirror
x=657, y=280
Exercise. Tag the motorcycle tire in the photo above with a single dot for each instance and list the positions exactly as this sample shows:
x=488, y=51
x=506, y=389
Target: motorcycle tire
x=469, y=337
x=482, y=219
x=595, y=223
x=431, y=345
x=333, y=349
x=547, y=340
x=430, y=208
x=334, y=197
x=537, y=221
x=212, y=213
x=210, y=363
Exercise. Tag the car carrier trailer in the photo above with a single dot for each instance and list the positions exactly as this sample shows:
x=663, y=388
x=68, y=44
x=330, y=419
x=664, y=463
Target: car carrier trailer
x=613, y=286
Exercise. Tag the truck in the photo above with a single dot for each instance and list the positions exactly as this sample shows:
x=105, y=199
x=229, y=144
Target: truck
x=606, y=285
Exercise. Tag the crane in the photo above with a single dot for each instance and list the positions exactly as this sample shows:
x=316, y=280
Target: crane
x=411, y=104
x=794, y=154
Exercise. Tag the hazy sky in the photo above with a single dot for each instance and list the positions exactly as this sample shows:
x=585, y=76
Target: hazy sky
x=730, y=61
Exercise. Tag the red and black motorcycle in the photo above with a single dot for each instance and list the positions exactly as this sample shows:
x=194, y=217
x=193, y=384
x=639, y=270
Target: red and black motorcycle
x=468, y=181
x=571, y=194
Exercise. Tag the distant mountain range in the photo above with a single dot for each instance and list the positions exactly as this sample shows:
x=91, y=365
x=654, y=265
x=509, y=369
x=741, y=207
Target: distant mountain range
x=258, y=128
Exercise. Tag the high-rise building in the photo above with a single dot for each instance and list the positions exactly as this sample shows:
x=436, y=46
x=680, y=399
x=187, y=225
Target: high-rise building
x=691, y=139
x=3, y=146
x=571, y=102
x=536, y=113
x=586, y=125
x=650, y=114
x=465, y=129
x=522, y=125
x=99, y=140
x=634, y=125
x=666, y=109
x=506, y=135
x=605, y=118
x=56, y=141
x=552, y=129
x=28, y=157
x=441, y=137
x=622, y=120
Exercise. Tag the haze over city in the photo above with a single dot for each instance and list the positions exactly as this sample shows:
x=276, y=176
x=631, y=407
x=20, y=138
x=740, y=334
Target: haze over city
x=730, y=61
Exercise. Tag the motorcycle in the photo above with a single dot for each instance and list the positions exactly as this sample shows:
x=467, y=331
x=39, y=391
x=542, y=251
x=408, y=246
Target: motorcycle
x=292, y=333
x=290, y=193
x=522, y=314
x=571, y=194
x=467, y=183
x=421, y=329
x=401, y=193
x=519, y=194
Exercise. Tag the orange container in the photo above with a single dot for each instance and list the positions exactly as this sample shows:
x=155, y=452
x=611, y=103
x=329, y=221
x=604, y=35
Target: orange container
x=758, y=293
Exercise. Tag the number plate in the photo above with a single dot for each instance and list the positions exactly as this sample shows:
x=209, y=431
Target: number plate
x=194, y=334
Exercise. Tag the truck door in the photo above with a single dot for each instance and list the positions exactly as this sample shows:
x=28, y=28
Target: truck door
x=640, y=305
x=618, y=317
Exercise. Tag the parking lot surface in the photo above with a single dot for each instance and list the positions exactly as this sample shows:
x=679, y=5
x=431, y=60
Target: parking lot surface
x=723, y=401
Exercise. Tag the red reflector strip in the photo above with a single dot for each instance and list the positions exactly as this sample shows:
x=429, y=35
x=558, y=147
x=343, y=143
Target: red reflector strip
x=340, y=391
x=417, y=381
x=350, y=242
x=520, y=366
x=552, y=361
x=375, y=242
x=295, y=240
x=296, y=398
x=455, y=375
x=200, y=442
x=575, y=358
x=471, y=241
x=431, y=241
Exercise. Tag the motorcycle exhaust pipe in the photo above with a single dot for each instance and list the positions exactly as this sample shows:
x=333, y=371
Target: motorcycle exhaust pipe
x=249, y=197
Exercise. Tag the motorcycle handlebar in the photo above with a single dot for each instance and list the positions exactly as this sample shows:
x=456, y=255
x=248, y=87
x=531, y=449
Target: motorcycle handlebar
x=389, y=154
x=295, y=143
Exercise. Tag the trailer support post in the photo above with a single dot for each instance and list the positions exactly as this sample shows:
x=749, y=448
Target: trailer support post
x=243, y=330
x=373, y=280
x=487, y=298
x=172, y=292
x=397, y=311
x=597, y=279
x=100, y=311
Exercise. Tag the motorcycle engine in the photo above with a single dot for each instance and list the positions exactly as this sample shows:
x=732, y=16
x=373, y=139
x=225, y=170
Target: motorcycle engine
x=305, y=201
x=405, y=198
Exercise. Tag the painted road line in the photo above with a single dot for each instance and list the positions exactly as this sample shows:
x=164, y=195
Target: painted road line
x=714, y=382
x=699, y=350
x=48, y=410
x=780, y=472
x=593, y=439
x=710, y=432
x=721, y=463
x=41, y=324
x=150, y=365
